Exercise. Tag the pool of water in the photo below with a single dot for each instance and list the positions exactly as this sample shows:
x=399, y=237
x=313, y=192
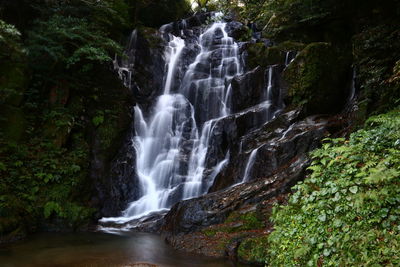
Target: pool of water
x=99, y=249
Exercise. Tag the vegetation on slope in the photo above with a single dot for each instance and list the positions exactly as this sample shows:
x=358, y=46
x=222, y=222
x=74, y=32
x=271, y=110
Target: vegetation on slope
x=347, y=211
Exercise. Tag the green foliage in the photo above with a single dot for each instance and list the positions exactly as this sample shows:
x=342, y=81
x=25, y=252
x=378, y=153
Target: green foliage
x=40, y=178
x=254, y=249
x=97, y=120
x=12, y=58
x=9, y=40
x=51, y=207
x=377, y=53
x=68, y=42
x=55, y=84
x=346, y=213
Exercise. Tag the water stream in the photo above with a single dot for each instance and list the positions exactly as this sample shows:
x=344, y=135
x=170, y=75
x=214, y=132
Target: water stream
x=99, y=249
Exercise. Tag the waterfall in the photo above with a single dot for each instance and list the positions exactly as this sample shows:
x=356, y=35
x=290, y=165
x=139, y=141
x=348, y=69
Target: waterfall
x=175, y=46
x=249, y=165
x=125, y=68
x=352, y=86
x=172, y=141
x=272, y=106
x=289, y=57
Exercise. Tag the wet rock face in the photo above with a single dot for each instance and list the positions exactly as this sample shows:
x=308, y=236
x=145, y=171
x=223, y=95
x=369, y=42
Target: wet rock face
x=238, y=31
x=112, y=155
x=281, y=137
x=282, y=153
x=248, y=89
x=277, y=142
x=120, y=185
x=196, y=214
x=144, y=67
x=282, y=158
x=187, y=26
x=251, y=88
x=204, y=225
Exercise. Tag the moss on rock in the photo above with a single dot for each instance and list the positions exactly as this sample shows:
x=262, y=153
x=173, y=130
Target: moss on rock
x=288, y=46
x=317, y=79
x=258, y=54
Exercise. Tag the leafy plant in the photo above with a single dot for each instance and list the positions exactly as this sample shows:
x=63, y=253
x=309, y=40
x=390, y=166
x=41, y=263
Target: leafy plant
x=346, y=213
x=69, y=42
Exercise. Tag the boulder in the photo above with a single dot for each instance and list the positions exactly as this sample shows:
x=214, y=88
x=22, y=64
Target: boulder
x=251, y=88
x=266, y=53
x=317, y=79
x=238, y=31
x=258, y=54
x=248, y=89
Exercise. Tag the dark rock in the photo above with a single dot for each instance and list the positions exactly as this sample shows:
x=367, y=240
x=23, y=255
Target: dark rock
x=121, y=184
x=228, y=130
x=238, y=31
x=248, y=89
x=146, y=51
x=278, y=142
x=251, y=88
x=192, y=22
x=198, y=19
x=258, y=54
x=283, y=145
x=112, y=155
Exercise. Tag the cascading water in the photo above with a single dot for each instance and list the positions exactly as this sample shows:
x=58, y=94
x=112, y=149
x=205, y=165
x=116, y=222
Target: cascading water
x=249, y=165
x=269, y=110
x=172, y=142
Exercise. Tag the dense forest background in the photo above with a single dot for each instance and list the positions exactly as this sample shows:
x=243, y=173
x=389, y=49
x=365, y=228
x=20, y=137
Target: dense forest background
x=63, y=109
x=60, y=96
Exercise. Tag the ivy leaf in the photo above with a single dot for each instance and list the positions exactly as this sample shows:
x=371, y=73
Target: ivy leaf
x=353, y=189
x=322, y=217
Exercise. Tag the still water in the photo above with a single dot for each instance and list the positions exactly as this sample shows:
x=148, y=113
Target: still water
x=99, y=249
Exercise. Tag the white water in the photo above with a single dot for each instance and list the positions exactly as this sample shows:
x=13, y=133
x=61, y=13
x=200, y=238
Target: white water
x=353, y=86
x=172, y=142
x=175, y=48
x=249, y=165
